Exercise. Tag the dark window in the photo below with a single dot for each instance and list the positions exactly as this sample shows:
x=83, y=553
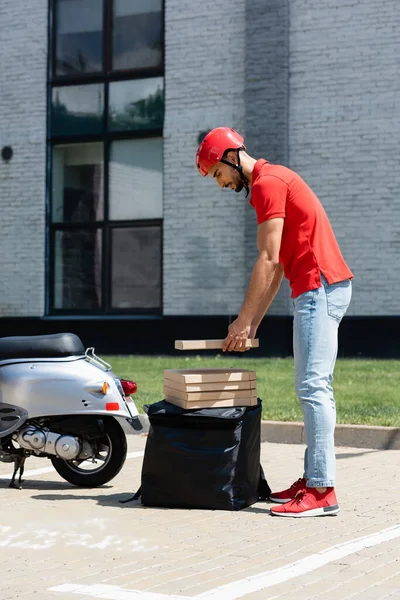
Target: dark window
x=77, y=257
x=137, y=34
x=136, y=269
x=105, y=139
x=79, y=35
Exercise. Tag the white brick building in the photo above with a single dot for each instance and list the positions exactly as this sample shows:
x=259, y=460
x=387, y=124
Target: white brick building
x=313, y=85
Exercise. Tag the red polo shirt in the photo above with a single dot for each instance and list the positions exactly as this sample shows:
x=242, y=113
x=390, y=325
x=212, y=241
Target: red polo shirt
x=308, y=245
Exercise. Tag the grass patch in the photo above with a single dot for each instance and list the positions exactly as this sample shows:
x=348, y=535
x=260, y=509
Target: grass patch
x=366, y=391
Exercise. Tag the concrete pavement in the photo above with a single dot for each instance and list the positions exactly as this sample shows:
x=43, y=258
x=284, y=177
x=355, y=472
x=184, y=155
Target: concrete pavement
x=61, y=542
x=289, y=432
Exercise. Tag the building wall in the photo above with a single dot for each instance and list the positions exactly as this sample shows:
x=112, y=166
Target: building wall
x=344, y=123
x=204, y=227
x=23, y=70
x=266, y=104
x=317, y=91
x=314, y=85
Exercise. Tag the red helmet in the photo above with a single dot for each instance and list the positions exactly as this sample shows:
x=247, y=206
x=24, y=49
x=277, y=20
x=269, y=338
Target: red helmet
x=213, y=146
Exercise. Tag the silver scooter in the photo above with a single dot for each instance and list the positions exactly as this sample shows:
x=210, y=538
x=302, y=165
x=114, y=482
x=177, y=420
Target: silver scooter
x=60, y=401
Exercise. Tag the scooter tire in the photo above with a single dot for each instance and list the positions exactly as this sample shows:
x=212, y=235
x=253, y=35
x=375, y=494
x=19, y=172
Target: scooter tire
x=116, y=459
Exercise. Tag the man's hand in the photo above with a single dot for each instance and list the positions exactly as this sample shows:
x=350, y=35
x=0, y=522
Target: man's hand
x=252, y=334
x=238, y=333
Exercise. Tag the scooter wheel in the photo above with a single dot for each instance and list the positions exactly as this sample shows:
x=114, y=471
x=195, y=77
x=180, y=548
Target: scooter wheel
x=109, y=460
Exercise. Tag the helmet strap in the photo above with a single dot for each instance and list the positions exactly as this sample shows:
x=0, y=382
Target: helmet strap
x=239, y=169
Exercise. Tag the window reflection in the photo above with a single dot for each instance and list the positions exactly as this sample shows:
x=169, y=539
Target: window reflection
x=77, y=109
x=77, y=277
x=79, y=33
x=137, y=34
x=135, y=188
x=77, y=183
x=136, y=268
x=136, y=104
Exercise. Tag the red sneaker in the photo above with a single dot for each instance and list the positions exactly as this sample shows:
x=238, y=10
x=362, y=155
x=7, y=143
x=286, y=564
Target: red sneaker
x=289, y=494
x=309, y=503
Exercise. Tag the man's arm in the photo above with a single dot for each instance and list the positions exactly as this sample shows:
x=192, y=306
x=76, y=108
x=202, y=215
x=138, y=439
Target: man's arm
x=264, y=271
x=268, y=242
x=268, y=298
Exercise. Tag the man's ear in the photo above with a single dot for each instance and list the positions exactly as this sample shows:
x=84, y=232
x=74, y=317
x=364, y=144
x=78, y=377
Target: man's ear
x=232, y=156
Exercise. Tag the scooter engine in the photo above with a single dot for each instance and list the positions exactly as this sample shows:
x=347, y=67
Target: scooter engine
x=66, y=447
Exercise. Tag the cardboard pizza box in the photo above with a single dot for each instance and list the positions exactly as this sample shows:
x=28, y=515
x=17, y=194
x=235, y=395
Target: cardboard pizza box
x=212, y=403
x=191, y=376
x=222, y=386
x=208, y=344
x=215, y=395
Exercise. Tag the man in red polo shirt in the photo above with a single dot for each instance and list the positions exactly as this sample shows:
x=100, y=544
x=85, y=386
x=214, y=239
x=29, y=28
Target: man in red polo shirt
x=295, y=240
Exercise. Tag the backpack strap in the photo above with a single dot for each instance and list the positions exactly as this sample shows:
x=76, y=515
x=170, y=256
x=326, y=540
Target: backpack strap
x=134, y=497
x=264, y=490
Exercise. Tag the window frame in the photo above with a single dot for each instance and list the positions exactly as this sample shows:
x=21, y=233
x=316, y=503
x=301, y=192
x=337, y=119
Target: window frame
x=105, y=77
x=51, y=290
x=106, y=267
x=140, y=224
x=106, y=74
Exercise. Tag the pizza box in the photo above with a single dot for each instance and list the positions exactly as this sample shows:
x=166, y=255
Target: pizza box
x=212, y=403
x=197, y=376
x=222, y=386
x=209, y=344
x=215, y=395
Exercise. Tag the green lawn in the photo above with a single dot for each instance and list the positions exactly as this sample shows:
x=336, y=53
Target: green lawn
x=366, y=391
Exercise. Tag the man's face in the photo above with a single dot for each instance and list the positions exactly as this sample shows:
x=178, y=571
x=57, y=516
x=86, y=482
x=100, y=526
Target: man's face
x=226, y=176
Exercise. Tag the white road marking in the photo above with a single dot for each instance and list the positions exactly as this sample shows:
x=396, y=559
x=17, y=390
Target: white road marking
x=231, y=591
x=51, y=469
x=111, y=592
x=242, y=587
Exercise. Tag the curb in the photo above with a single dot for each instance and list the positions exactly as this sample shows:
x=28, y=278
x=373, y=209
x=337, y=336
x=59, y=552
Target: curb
x=290, y=432
x=354, y=436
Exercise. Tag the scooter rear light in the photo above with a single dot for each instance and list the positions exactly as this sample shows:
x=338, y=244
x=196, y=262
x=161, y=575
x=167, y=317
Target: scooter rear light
x=112, y=406
x=129, y=387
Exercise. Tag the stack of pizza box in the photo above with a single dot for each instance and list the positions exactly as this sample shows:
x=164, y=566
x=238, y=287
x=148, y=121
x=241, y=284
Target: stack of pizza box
x=210, y=388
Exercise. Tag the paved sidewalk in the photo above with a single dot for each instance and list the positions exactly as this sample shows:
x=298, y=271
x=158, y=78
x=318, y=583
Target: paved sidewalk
x=291, y=432
x=60, y=542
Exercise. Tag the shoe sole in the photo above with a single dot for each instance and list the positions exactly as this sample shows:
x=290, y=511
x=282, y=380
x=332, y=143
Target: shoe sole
x=280, y=500
x=325, y=511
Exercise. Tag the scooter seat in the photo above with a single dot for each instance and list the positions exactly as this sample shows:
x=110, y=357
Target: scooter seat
x=41, y=346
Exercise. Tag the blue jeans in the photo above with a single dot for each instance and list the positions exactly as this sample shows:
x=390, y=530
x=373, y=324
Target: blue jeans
x=317, y=315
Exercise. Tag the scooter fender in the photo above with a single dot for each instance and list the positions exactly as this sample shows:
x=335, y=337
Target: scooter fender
x=63, y=387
